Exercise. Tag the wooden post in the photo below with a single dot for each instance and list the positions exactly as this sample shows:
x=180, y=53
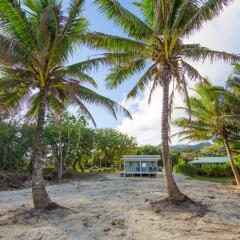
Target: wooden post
x=140, y=168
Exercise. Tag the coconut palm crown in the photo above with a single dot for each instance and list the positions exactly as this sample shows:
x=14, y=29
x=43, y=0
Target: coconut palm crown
x=213, y=111
x=36, y=39
x=155, y=45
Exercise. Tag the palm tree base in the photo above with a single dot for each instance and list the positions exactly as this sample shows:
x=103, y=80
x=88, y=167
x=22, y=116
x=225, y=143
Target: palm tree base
x=176, y=201
x=52, y=206
x=182, y=205
x=182, y=198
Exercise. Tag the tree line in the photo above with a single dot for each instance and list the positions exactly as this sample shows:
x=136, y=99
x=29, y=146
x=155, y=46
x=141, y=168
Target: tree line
x=69, y=144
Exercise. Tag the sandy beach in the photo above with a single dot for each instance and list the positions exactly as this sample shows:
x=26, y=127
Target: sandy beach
x=110, y=207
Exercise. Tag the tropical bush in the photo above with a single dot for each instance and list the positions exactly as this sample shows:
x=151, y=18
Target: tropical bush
x=108, y=169
x=15, y=146
x=210, y=170
x=184, y=168
x=215, y=171
x=237, y=162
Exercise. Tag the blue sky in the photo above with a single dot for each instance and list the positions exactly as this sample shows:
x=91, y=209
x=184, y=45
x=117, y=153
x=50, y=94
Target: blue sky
x=221, y=34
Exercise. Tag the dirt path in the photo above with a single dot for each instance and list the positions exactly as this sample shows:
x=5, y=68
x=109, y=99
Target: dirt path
x=110, y=207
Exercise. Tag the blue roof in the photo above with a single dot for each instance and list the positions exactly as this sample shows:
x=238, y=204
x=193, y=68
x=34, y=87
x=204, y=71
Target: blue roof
x=210, y=160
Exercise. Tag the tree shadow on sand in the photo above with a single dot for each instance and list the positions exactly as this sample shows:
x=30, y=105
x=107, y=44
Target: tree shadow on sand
x=188, y=206
x=27, y=216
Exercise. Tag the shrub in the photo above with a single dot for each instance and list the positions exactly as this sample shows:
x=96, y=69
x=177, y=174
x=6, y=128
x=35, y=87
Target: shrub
x=108, y=169
x=185, y=168
x=238, y=163
x=178, y=168
x=210, y=170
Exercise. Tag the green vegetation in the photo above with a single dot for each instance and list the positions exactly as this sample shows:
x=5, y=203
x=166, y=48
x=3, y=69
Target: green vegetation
x=155, y=46
x=68, y=145
x=214, y=110
x=111, y=145
x=149, y=150
x=37, y=40
x=215, y=170
x=207, y=170
x=223, y=180
x=185, y=168
x=15, y=146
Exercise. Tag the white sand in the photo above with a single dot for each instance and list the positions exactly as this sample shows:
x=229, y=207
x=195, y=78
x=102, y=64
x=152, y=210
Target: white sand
x=114, y=208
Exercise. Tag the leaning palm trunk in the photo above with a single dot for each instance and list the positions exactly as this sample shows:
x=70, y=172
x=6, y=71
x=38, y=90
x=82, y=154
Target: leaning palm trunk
x=233, y=166
x=173, y=191
x=40, y=196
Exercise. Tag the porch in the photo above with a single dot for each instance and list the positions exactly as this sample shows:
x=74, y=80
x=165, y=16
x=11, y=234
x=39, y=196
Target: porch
x=141, y=165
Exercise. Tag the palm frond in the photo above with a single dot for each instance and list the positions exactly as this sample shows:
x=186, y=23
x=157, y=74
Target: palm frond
x=196, y=52
x=131, y=24
x=88, y=65
x=191, y=72
x=13, y=51
x=15, y=23
x=119, y=74
x=84, y=110
x=142, y=82
x=146, y=7
x=112, y=43
x=74, y=15
x=91, y=97
x=205, y=12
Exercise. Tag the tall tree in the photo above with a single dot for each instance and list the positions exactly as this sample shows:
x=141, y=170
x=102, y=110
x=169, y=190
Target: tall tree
x=111, y=145
x=212, y=110
x=36, y=39
x=149, y=150
x=156, y=45
x=68, y=142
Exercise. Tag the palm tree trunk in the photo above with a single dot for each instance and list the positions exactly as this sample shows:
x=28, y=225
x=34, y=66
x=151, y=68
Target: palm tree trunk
x=173, y=190
x=233, y=166
x=40, y=196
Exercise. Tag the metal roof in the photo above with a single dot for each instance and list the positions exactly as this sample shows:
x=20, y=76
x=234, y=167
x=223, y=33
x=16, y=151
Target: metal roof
x=140, y=157
x=210, y=160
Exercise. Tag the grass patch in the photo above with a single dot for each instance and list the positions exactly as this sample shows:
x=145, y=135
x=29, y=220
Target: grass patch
x=223, y=180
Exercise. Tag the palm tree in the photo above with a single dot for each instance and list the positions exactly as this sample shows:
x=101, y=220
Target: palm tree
x=234, y=80
x=155, y=45
x=36, y=39
x=212, y=110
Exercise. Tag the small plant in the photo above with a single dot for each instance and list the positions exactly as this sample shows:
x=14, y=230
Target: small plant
x=108, y=169
x=184, y=168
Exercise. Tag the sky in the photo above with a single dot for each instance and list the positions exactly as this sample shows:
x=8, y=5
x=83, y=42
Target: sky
x=221, y=34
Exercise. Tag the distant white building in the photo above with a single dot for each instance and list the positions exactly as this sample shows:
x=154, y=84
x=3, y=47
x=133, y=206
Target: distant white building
x=141, y=165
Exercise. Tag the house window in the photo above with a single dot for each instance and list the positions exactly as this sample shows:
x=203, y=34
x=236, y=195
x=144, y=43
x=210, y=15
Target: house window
x=130, y=164
x=144, y=167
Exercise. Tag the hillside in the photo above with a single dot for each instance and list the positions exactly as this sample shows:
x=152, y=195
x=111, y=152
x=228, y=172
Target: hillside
x=195, y=147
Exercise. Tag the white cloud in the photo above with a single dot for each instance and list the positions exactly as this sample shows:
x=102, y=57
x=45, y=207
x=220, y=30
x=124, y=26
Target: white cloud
x=146, y=123
x=220, y=34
